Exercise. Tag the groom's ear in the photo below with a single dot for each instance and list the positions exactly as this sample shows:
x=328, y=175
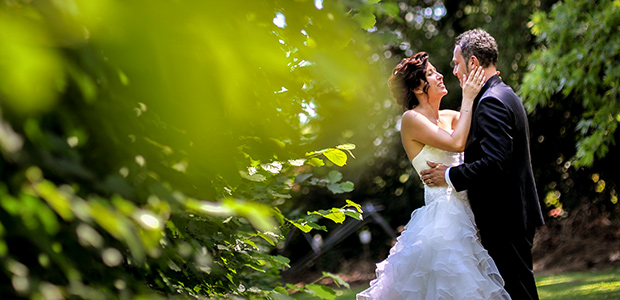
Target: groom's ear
x=473, y=61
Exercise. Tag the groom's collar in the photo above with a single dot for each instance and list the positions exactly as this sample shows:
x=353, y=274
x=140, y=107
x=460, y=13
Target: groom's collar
x=495, y=79
x=491, y=82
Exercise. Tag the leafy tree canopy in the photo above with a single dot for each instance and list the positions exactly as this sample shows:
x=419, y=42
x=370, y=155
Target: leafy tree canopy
x=580, y=48
x=150, y=148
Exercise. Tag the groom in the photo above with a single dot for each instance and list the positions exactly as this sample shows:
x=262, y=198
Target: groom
x=497, y=172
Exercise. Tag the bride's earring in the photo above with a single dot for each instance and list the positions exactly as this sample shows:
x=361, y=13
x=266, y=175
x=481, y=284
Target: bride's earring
x=421, y=96
x=418, y=93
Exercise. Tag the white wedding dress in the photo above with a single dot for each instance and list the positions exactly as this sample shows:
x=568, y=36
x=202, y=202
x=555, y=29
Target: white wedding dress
x=438, y=256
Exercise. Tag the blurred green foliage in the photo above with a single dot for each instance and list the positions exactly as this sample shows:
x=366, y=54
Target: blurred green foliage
x=571, y=92
x=580, y=46
x=150, y=148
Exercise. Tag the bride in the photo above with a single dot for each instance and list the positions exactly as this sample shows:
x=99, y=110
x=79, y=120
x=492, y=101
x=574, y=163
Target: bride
x=438, y=255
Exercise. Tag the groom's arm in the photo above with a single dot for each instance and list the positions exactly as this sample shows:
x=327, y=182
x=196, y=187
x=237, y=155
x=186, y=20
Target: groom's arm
x=447, y=177
x=495, y=125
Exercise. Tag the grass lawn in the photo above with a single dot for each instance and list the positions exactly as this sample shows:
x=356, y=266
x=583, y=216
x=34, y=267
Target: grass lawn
x=579, y=285
x=589, y=285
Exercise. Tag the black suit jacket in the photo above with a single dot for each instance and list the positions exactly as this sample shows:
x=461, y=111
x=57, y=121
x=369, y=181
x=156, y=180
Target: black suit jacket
x=497, y=172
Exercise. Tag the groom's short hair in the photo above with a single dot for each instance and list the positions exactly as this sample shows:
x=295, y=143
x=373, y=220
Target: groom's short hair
x=478, y=43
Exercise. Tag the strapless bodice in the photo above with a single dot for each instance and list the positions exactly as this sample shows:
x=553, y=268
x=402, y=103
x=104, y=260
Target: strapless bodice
x=436, y=155
x=447, y=158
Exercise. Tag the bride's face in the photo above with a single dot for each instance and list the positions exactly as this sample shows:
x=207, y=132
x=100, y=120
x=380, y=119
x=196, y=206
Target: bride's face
x=435, y=81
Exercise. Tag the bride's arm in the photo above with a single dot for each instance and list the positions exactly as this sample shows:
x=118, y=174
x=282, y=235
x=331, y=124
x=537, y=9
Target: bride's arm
x=456, y=114
x=419, y=128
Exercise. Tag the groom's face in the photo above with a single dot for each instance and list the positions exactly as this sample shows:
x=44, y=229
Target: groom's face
x=460, y=65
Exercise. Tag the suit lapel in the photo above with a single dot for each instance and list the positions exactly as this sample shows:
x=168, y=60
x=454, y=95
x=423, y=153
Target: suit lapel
x=474, y=122
x=490, y=83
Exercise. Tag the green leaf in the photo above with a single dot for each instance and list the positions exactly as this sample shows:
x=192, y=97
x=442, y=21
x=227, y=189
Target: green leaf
x=316, y=162
x=335, y=214
x=280, y=290
x=353, y=214
x=277, y=214
x=335, y=188
x=251, y=243
x=338, y=157
x=365, y=19
x=302, y=226
x=334, y=176
x=273, y=167
x=391, y=9
x=347, y=186
x=348, y=148
x=123, y=78
x=339, y=188
x=355, y=205
x=255, y=268
x=56, y=200
x=281, y=260
x=321, y=291
x=278, y=142
x=278, y=195
x=267, y=238
x=279, y=293
x=302, y=177
x=258, y=214
x=307, y=225
x=254, y=177
x=337, y=280
x=297, y=162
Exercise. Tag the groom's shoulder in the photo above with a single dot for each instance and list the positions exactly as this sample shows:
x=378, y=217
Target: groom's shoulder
x=501, y=91
x=505, y=97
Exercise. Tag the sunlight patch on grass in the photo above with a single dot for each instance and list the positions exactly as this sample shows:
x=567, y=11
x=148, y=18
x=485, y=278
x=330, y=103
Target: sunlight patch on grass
x=601, y=287
x=553, y=280
x=580, y=285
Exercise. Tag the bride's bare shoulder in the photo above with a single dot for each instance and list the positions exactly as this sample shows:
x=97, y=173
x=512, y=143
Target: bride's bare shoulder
x=412, y=119
x=412, y=116
x=448, y=113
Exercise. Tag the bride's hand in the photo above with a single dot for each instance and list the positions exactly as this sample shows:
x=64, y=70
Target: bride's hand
x=473, y=83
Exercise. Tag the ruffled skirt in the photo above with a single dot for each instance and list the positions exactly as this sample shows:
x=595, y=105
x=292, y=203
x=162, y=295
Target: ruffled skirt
x=438, y=256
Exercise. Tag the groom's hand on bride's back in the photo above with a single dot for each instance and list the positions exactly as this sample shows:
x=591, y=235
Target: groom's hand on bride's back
x=435, y=175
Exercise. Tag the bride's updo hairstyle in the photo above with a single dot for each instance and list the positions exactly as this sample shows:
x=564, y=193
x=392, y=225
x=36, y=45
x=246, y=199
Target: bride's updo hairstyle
x=409, y=74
